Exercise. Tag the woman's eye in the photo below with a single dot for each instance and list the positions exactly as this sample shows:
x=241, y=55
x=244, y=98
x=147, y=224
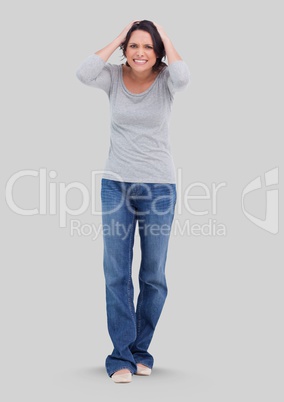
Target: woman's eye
x=147, y=46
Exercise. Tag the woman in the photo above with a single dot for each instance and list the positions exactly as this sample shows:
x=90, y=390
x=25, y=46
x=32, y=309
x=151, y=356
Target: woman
x=138, y=186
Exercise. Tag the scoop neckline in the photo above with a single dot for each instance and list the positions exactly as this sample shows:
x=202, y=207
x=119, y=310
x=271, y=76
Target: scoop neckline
x=140, y=93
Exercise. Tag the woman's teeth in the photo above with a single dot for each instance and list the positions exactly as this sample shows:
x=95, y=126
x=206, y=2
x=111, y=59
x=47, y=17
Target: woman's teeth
x=140, y=61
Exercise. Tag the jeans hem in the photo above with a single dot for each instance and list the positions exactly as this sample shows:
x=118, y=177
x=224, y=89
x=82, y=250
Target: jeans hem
x=146, y=365
x=110, y=373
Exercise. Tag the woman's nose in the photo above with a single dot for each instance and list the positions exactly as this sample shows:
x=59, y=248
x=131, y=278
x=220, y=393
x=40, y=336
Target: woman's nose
x=139, y=52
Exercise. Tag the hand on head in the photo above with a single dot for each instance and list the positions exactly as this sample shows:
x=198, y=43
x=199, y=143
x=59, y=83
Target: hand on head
x=161, y=31
x=123, y=33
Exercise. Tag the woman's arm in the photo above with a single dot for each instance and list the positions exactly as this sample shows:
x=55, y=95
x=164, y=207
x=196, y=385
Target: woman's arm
x=94, y=70
x=179, y=74
x=171, y=52
x=108, y=50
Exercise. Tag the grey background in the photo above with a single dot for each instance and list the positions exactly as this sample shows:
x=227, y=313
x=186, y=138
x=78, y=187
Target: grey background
x=220, y=337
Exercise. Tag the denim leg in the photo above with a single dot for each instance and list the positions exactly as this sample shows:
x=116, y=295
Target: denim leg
x=154, y=231
x=118, y=235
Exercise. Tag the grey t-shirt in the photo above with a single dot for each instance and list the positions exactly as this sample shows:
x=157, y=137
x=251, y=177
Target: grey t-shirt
x=139, y=130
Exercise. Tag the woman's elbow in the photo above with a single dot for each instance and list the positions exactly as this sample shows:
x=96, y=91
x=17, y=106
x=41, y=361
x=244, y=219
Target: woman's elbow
x=81, y=77
x=182, y=82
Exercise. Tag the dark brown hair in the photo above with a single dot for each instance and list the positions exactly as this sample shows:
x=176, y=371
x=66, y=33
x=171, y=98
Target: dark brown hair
x=158, y=45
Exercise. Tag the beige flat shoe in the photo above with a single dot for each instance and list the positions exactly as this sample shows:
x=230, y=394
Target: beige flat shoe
x=143, y=370
x=122, y=378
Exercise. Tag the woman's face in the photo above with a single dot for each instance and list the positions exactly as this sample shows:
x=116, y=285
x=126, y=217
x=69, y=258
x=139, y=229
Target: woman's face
x=140, y=52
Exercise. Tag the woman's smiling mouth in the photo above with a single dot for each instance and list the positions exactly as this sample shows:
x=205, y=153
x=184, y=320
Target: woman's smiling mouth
x=140, y=61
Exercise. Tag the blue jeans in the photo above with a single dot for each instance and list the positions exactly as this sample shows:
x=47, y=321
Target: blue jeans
x=125, y=204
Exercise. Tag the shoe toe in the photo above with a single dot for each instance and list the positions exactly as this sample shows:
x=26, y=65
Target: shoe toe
x=143, y=370
x=122, y=378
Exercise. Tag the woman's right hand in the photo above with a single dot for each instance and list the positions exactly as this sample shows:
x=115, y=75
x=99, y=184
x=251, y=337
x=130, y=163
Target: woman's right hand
x=108, y=50
x=123, y=33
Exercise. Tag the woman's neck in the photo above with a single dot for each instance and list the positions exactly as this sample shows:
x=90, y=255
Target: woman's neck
x=142, y=77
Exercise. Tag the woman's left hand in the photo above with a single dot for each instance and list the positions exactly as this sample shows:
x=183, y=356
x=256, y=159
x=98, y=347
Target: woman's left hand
x=171, y=53
x=161, y=31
